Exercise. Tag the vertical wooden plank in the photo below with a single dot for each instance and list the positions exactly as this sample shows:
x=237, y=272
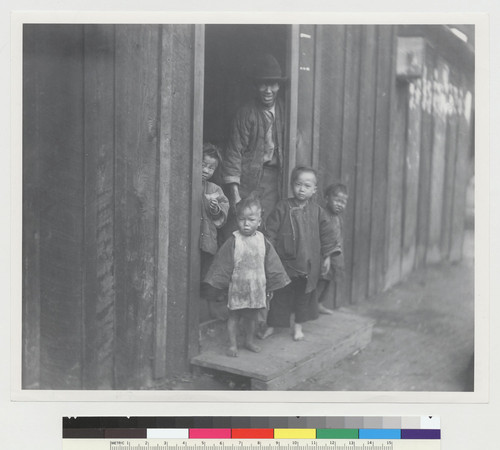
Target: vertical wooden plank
x=290, y=157
x=196, y=190
x=99, y=289
x=318, y=48
x=440, y=80
x=31, y=212
x=465, y=135
x=425, y=160
x=163, y=228
x=450, y=162
x=60, y=117
x=182, y=188
x=349, y=142
x=331, y=106
x=331, y=53
x=394, y=218
x=386, y=79
x=136, y=100
x=364, y=163
x=411, y=171
x=305, y=94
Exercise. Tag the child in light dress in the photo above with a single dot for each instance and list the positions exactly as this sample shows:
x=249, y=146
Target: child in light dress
x=248, y=267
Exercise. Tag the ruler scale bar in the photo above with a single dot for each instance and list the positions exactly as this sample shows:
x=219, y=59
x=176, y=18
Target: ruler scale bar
x=337, y=444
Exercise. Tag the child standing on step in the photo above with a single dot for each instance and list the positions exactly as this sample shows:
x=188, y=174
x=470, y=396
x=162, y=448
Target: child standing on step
x=304, y=239
x=336, y=201
x=248, y=266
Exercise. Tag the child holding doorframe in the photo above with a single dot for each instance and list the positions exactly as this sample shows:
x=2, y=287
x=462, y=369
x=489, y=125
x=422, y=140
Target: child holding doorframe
x=215, y=206
x=248, y=266
x=336, y=201
x=304, y=240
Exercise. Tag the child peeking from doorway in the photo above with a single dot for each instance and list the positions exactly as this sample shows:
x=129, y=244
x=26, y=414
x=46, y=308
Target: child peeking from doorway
x=215, y=206
x=304, y=239
x=248, y=267
x=336, y=201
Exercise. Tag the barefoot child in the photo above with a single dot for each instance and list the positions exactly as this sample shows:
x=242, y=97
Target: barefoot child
x=249, y=267
x=304, y=240
x=214, y=211
x=336, y=201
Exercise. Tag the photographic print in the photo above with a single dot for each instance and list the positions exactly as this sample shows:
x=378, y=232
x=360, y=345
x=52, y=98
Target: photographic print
x=234, y=207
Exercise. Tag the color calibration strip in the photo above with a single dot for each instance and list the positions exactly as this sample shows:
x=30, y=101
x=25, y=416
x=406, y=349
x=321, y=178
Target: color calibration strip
x=391, y=428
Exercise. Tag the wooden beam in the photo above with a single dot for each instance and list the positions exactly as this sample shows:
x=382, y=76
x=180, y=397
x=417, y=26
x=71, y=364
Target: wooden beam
x=349, y=142
x=412, y=172
x=425, y=161
x=395, y=179
x=292, y=107
x=183, y=188
x=136, y=121
x=462, y=170
x=163, y=223
x=441, y=78
x=60, y=110
x=364, y=164
x=196, y=192
x=99, y=288
x=316, y=116
x=305, y=95
x=386, y=79
x=450, y=162
x=328, y=125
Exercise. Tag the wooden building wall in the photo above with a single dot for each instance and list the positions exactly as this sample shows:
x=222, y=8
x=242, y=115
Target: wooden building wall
x=109, y=120
x=402, y=147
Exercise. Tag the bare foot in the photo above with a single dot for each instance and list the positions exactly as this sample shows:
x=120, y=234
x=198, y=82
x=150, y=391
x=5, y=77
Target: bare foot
x=298, y=335
x=324, y=310
x=232, y=351
x=265, y=334
x=252, y=347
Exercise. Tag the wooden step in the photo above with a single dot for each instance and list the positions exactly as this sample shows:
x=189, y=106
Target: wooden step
x=283, y=363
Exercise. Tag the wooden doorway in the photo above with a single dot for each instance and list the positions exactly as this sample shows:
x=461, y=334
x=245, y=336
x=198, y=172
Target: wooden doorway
x=229, y=49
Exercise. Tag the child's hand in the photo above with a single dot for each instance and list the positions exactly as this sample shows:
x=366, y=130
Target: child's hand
x=269, y=295
x=214, y=205
x=325, y=267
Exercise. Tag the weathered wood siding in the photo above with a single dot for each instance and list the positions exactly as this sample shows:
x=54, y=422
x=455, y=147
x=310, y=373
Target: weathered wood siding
x=402, y=147
x=109, y=153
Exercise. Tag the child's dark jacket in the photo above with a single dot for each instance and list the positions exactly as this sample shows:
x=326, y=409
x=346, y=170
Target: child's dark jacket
x=336, y=271
x=210, y=221
x=303, y=237
x=220, y=272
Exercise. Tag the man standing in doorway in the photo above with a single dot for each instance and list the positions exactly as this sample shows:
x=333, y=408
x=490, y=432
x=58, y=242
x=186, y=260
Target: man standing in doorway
x=253, y=159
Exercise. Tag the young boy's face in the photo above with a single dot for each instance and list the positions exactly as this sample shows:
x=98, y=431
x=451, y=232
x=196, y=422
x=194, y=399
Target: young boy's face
x=337, y=202
x=249, y=220
x=304, y=187
x=208, y=167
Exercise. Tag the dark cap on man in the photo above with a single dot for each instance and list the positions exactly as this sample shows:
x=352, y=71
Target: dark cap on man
x=266, y=68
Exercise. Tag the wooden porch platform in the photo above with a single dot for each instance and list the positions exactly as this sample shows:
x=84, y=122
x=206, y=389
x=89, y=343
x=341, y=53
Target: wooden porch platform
x=283, y=363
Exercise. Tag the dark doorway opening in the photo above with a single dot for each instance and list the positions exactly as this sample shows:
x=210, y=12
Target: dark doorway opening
x=228, y=51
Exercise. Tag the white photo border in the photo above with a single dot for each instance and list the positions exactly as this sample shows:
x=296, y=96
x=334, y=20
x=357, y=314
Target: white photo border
x=482, y=205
